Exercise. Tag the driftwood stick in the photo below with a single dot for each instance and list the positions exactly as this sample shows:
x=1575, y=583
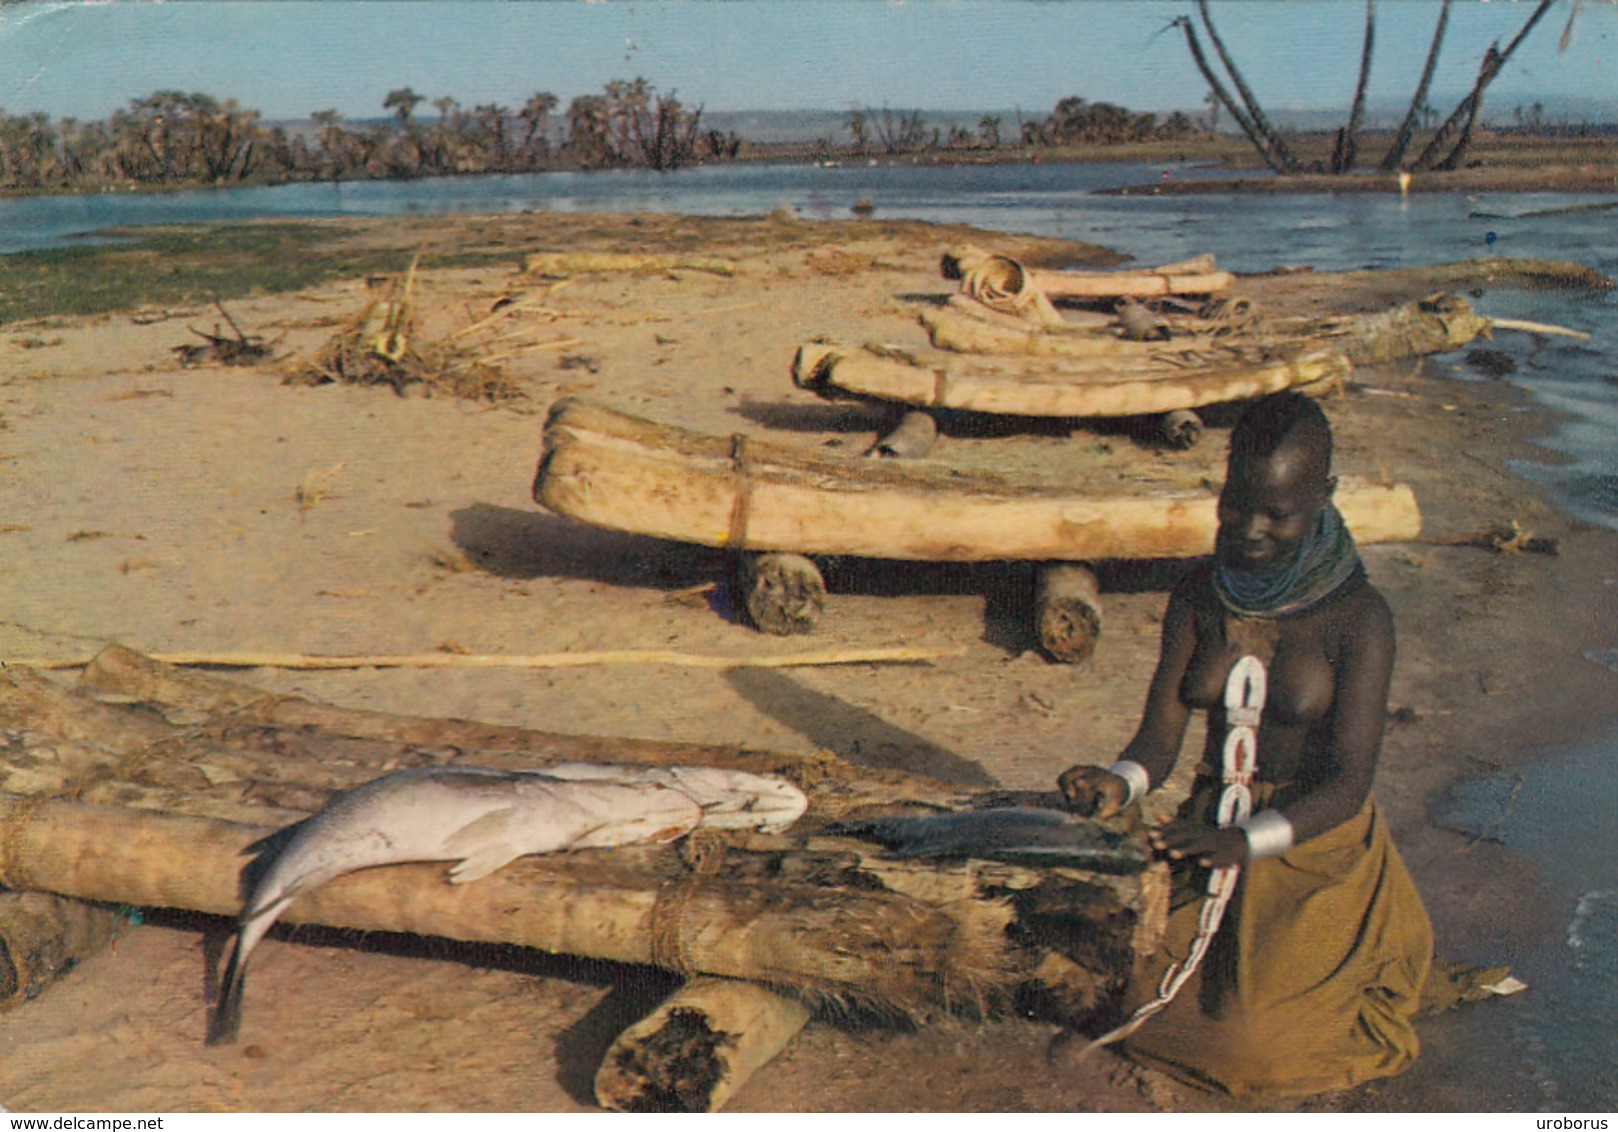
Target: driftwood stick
x=577, y=263
x=1537, y=328
x=1507, y=538
x=544, y=660
x=698, y=1047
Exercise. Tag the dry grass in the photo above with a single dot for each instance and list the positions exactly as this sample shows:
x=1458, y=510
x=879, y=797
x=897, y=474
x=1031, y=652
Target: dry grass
x=384, y=345
x=317, y=486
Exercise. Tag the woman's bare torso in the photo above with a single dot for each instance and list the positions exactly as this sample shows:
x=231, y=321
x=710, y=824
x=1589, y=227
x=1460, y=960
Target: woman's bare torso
x=1304, y=652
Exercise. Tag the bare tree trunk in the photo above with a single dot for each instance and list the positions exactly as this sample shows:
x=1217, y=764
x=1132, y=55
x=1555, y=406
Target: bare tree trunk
x=1284, y=161
x=1472, y=104
x=1407, y=128
x=1493, y=60
x=1348, y=141
x=1223, y=96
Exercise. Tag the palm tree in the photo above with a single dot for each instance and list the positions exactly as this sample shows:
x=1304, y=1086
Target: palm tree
x=1467, y=111
x=491, y=120
x=1274, y=148
x=589, y=131
x=1262, y=139
x=1342, y=159
x=855, y=125
x=536, y=115
x=330, y=136
x=1418, y=101
x=1250, y=116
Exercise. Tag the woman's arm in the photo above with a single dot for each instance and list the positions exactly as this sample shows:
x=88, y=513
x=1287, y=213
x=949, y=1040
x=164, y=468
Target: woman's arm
x=1359, y=710
x=1096, y=790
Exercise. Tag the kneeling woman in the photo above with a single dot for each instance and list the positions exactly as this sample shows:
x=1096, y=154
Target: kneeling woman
x=1311, y=982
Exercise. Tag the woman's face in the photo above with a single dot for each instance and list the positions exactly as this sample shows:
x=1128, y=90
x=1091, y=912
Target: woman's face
x=1268, y=506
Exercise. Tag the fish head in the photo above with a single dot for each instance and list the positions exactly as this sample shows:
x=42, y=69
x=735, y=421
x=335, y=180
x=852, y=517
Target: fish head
x=735, y=799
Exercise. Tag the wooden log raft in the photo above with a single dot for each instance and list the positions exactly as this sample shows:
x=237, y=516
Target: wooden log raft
x=1433, y=325
x=623, y=473
x=951, y=328
x=1132, y=384
x=151, y=803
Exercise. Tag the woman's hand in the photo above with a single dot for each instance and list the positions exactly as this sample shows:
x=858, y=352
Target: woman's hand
x=1209, y=846
x=1093, y=791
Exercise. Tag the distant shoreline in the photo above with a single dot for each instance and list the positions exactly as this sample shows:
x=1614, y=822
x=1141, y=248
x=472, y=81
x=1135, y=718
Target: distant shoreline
x=1500, y=163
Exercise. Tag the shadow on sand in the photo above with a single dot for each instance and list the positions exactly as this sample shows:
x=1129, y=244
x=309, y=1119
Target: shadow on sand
x=857, y=735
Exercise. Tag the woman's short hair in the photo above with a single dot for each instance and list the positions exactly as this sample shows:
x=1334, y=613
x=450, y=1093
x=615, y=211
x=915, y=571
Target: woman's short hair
x=1282, y=418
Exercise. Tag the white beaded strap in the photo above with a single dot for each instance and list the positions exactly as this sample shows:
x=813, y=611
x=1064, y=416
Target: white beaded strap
x=1244, y=708
x=1135, y=777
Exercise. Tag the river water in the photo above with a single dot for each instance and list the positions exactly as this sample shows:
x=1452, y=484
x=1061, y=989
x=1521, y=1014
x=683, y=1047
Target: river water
x=1562, y=812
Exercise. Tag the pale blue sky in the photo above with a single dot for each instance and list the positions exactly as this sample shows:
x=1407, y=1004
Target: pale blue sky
x=289, y=58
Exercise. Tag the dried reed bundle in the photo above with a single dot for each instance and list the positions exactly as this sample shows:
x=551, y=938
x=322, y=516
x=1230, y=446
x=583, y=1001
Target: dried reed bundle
x=384, y=345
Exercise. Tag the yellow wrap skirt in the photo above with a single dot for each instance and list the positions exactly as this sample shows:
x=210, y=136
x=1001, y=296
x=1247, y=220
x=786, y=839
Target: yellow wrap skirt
x=1312, y=980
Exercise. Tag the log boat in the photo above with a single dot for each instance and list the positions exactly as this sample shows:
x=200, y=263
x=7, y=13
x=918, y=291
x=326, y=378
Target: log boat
x=1130, y=379
x=624, y=473
x=977, y=267
x=778, y=506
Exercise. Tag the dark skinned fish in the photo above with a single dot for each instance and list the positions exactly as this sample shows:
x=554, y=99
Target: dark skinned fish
x=1018, y=835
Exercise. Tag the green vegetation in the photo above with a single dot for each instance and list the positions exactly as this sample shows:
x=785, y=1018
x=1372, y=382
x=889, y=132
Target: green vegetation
x=190, y=266
x=1073, y=122
x=173, y=138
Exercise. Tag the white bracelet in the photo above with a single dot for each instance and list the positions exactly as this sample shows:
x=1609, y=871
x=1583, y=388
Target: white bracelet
x=1135, y=777
x=1268, y=834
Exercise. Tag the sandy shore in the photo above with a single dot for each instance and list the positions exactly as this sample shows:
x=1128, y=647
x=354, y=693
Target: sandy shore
x=217, y=508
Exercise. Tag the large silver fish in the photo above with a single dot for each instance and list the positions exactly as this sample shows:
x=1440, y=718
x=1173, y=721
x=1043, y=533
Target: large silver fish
x=482, y=819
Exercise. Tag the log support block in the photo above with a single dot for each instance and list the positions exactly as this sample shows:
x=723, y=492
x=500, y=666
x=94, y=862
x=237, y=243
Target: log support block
x=1067, y=611
x=42, y=937
x=695, y=1050
x=1179, y=429
x=910, y=439
x=783, y=594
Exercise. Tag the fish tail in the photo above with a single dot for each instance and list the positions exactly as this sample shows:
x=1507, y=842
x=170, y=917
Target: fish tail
x=227, y=1015
x=226, y=1022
